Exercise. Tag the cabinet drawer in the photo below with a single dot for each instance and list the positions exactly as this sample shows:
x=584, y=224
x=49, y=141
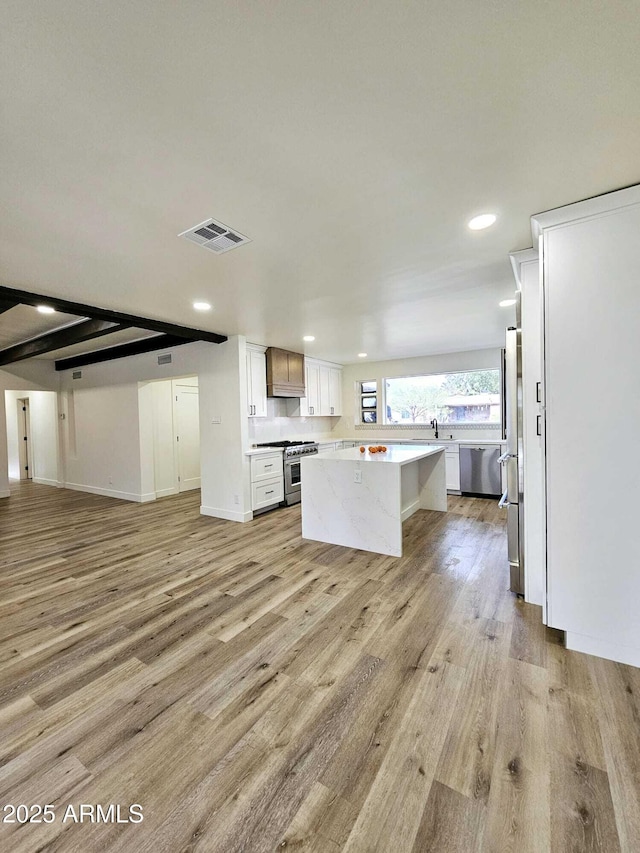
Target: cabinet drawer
x=267, y=493
x=266, y=467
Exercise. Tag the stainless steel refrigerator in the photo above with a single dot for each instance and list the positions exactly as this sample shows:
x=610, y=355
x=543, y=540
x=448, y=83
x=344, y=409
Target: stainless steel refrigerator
x=512, y=499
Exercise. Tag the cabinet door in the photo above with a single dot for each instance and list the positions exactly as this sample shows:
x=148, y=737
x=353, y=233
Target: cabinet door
x=267, y=493
x=324, y=406
x=256, y=384
x=452, y=467
x=335, y=391
x=313, y=390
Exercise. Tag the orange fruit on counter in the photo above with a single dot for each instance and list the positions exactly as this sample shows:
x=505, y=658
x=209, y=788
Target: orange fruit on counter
x=362, y=449
x=383, y=449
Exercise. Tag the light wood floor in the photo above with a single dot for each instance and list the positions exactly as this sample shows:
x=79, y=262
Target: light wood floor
x=255, y=692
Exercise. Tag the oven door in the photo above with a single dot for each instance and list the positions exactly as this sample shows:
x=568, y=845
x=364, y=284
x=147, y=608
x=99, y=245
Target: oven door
x=292, y=479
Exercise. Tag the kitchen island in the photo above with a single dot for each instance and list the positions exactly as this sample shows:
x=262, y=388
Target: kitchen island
x=360, y=500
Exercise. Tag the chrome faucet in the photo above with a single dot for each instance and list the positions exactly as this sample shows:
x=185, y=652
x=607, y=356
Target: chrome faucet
x=434, y=425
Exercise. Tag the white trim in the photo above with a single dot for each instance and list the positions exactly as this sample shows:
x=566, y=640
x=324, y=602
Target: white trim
x=164, y=493
x=524, y=256
x=148, y=496
x=107, y=493
x=5, y=493
x=43, y=481
x=227, y=515
x=602, y=648
x=600, y=205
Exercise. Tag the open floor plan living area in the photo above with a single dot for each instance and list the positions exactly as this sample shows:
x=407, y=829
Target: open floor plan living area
x=318, y=356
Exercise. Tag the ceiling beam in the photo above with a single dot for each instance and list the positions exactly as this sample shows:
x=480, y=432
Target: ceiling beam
x=7, y=304
x=59, y=338
x=24, y=297
x=122, y=351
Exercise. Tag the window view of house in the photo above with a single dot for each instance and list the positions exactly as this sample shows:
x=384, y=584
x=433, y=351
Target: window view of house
x=451, y=398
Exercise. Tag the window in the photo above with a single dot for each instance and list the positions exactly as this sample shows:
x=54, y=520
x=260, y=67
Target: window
x=368, y=397
x=452, y=398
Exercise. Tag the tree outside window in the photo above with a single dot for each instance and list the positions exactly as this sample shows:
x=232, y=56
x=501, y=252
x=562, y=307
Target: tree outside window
x=466, y=397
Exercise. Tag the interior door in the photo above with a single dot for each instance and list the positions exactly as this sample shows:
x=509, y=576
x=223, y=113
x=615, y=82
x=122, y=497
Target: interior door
x=187, y=425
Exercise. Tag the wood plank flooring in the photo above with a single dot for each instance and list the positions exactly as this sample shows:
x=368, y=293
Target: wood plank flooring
x=256, y=692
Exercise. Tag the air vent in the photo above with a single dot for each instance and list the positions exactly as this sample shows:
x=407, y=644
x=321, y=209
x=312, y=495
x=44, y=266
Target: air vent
x=77, y=374
x=164, y=359
x=214, y=236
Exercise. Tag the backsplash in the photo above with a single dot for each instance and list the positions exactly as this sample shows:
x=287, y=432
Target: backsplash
x=278, y=426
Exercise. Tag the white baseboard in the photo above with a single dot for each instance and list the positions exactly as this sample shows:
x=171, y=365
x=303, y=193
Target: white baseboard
x=164, y=493
x=215, y=512
x=602, y=649
x=5, y=493
x=148, y=496
x=107, y=493
x=43, y=481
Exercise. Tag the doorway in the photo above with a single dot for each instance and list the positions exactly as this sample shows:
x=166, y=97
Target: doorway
x=186, y=420
x=24, y=439
x=172, y=407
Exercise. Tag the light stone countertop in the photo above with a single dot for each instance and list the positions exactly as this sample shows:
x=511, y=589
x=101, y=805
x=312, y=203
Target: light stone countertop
x=397, y=454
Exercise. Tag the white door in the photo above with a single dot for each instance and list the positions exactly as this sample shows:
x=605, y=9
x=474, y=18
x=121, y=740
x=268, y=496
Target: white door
x=186, y=419
x=313, y=388
x=257, y=384
x=324, y=406
x=335, y=391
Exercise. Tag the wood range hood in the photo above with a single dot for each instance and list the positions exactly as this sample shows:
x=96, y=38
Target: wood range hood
x=285, y=373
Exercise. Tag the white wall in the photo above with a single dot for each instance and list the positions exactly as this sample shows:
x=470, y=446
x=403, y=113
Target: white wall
x=380, y=370
x=224, y=433
x=120, y=395
x=108, y=430
x=106, y=456
x=12, y=425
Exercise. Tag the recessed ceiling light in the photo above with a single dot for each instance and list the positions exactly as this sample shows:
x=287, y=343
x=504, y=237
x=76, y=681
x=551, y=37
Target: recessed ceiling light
x=308, y=338
x=362, y=355
x=506, y=303
x=202, y=306
x=482, y=221
x=46, y=309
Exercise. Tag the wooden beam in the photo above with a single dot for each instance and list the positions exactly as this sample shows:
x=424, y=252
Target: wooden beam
x=80, y=310
x=122, y=351
x=7, y=304
x=59, y=338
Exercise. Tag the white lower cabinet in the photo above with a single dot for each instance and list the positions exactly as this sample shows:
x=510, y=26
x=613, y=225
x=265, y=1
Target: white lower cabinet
x=267, y=493
x=327, y=447
x=267, y=480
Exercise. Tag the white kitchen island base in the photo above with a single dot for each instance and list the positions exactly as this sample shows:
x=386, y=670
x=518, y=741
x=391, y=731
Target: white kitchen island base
x=360, y=500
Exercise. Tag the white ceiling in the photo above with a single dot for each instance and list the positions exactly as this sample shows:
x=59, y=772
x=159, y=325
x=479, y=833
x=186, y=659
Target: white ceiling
x=350, y=141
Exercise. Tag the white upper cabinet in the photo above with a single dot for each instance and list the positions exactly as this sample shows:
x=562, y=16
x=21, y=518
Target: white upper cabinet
x=324, y=390
x=256, y=382
x=335, y=391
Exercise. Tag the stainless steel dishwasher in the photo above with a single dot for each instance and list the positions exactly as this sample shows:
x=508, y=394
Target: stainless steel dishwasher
x=479, y=469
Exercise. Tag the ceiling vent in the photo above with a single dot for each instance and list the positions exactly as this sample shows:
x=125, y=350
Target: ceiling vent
x=164, y=359
x=215, y=236
x=77, y=374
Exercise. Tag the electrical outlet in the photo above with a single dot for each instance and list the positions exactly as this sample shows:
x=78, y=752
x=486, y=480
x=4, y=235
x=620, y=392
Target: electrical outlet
x=236, y=499
x=357, y=476
x=110, y=480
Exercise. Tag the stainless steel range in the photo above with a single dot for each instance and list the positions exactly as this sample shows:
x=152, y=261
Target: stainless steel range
x=293, y=451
